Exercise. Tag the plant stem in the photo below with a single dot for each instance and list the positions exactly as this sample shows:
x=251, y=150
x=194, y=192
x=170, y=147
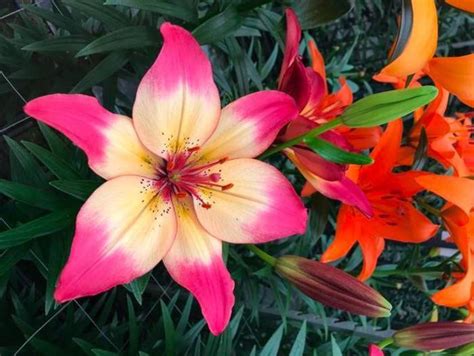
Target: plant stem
x=429, y=208
x=385, y=342
x=262, y=255
x=294, y=141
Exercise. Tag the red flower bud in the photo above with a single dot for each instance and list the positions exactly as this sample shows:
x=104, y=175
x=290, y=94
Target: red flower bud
x=332, y=287
x=435, y=336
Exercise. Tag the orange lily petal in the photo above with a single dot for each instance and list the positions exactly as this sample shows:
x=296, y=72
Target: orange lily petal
x=421, y=44
x=455, y=74
x=456, y=190
x=466, y=5
x=317, y=62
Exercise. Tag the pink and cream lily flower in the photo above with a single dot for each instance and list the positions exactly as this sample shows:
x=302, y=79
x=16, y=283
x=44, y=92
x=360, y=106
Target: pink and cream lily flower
x=180, y=179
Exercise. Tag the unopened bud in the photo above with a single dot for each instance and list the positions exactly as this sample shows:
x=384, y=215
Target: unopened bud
x=435, y=336
x=332, y=287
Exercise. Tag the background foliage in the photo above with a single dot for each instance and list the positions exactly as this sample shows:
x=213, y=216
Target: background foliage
x=104, y=47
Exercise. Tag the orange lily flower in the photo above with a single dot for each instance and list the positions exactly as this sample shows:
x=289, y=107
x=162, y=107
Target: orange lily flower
x=458, y=217
x=455, y=74
x=442, y=133
x=390, y=194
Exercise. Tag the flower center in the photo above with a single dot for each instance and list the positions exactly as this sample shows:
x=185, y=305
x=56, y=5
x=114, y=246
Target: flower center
x=182, y=175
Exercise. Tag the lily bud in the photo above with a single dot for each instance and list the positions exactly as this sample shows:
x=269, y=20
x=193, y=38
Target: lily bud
x=435, y=336
x=332, y=287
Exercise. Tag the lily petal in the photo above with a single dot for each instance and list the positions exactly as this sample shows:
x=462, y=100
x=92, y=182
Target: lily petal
x=466, y=5
x=342, y=188
x=455, y=75
x=317, y=62
x=384, y=154
x=260, y=206
x=421, y=44
x=249, y=125
x=456, y=190
x=292, y=42
x=123, y=230
x=371, y=247
x=195, y=262
x=109, y=140
x=177, y=104
x=349, y=230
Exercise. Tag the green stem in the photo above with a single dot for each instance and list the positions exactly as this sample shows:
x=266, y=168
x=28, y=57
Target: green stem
x=262, y=255
x=385, y=342
x=429, y=208
x=312, y=133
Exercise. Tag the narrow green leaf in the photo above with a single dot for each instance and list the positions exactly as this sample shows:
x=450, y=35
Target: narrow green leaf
x=55, y=143
x=421, y=157
x=11, y=257
x=404, y=30
x=33, y=171
x=59, y=167
x=298, y=346
x=335, y=154
x=58, y=252
x=166, y=8
x=134, y=333
x=219, y=26
x=335, y=349
x=26, y=194
x=56, y=19
x=138, y=286
x=110, y=17
x=272, y=346
x=380, y=108
x=170, y=334
x=42, y=226
x=124, y=38
x=312, y=13
x=81, y=188
x=71, y=43
x=108, y=66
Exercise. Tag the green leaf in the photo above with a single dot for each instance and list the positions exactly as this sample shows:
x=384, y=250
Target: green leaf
x=26, y=194
x=71, y=43
x=335, y=349
x=378, y=109
x=219, y=26
x=124, y=38
x=272, y=346
x=39, y=227
x=55, y=143
x=134, y=333
x=312, y=13
x=298, y=346
x=177, y=10
x=108, y=66
x=170, y=334
x=81, y=188
x=138, y=286
x=335, y=154
x=57, y=19
x=33, y=171
x=111, y=18
x=421, y=157
x=58, y=252
x=404, y=30
x=9, y=258
x=59, y=167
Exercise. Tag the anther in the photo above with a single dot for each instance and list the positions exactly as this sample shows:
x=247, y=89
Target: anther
x=227, y=187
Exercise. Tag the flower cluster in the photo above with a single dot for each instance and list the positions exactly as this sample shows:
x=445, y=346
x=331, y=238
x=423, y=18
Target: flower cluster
x=183, y=175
